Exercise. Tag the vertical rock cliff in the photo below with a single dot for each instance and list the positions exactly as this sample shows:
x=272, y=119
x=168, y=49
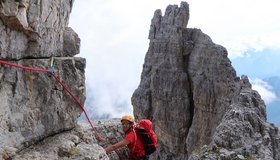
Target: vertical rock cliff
x=33, y=105
x=200, y=108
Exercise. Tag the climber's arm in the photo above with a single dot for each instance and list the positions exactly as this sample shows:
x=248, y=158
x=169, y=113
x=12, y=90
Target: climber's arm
x=118, y=145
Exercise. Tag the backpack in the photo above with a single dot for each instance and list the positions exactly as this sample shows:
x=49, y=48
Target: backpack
x=148, y=137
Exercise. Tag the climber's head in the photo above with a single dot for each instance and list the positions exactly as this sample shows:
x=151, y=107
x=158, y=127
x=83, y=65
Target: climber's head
x=127, y=122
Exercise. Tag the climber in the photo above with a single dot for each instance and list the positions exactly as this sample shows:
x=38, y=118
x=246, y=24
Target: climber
x=130, y=140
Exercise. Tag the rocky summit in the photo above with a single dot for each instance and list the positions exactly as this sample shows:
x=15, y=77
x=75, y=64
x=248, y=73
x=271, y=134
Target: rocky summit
x=200, y=108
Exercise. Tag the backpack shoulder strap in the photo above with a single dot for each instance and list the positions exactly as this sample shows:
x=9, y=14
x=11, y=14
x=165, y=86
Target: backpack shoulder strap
x=135, y=139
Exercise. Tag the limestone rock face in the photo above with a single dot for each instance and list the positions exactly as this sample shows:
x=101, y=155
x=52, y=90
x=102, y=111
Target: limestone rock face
x=191, y=92
x=80, y=144
x=33, y=105
x=34, y=28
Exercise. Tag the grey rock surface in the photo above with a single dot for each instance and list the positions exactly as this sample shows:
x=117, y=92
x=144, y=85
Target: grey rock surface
x=200, y=108
x=80, y=143
x=33, y=105
x=35, y=28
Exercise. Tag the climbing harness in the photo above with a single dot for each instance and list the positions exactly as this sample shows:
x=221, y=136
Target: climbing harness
x=51, y=73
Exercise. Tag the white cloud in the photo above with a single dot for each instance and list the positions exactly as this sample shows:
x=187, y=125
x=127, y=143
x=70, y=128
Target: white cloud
x=238, y=25
x=265, y=90
x=109, y=100
x=114, y=37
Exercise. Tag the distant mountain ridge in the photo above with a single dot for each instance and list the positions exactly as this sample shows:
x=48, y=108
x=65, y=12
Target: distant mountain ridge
x=265, y=66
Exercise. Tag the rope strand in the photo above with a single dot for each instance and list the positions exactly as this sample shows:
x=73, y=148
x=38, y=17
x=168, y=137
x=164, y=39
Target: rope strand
x=64, y=86
x=80, y=105
x=24, y=67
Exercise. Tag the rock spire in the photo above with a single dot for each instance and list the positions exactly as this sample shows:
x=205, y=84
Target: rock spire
x=199, y=106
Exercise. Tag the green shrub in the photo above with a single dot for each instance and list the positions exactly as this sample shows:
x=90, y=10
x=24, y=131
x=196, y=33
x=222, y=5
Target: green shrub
x=73, y=151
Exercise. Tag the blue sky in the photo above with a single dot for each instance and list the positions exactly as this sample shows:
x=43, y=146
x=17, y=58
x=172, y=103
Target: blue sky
x=268, y=63
x=114, y=40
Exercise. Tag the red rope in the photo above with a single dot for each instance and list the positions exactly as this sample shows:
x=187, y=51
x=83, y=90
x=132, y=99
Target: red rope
x=64, y=86
x=24, y=67
x=80, y=105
